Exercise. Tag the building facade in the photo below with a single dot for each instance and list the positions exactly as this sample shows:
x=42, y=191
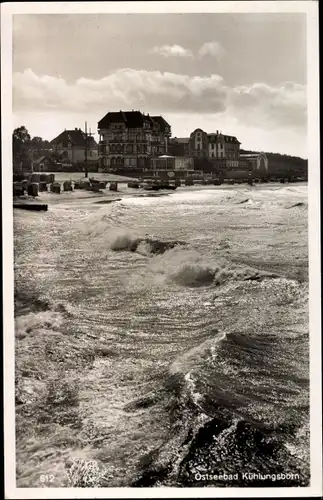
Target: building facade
x=73, y=146
x=169, y=167
x=168, y=162
x=198, y=144
x=222, y=150
x=129, y=139
x=179, y=146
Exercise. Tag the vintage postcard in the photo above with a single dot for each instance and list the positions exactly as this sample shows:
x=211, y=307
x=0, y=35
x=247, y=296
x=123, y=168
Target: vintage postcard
x=160, y=173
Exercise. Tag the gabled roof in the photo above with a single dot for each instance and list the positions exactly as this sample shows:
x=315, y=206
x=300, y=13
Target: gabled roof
x=43, y=158
x=76, y=137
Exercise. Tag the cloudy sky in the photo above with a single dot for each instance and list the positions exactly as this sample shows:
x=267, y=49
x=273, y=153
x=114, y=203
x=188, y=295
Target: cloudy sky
x=243, y=74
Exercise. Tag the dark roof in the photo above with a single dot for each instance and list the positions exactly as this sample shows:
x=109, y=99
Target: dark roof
x=161, y=122
x=227, y=138
x=76, y=137
x=131, y=119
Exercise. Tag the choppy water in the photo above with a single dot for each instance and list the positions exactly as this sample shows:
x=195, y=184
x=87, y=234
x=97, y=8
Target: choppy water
x=159, y=361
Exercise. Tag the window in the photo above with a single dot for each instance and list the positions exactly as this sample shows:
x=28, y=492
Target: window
x=198, y=146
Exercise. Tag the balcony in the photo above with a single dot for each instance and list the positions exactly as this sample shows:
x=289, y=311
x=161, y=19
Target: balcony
x=128, y=141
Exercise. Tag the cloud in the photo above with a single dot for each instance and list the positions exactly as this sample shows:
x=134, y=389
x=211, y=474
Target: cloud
x=123, y=89
x=213, y=49
x=258, y=105
x=172, y=51
x=267, y=106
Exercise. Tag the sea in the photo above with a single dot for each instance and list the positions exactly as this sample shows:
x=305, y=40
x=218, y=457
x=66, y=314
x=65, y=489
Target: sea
x=162, y=339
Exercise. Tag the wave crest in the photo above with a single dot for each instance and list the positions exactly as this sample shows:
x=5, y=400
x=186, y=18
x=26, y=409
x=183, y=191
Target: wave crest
x=193, y=275
x=131, y=242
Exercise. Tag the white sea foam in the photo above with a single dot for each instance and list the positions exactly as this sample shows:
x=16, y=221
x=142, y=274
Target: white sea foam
x=29, y=322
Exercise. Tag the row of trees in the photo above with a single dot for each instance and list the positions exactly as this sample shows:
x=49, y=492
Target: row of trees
x=26, y=147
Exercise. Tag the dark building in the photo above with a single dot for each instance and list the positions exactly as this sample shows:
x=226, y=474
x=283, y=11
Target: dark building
x=179, y=146
x=128, y=139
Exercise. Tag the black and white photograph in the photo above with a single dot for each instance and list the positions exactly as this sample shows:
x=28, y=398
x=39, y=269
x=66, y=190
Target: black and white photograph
x=160, y=174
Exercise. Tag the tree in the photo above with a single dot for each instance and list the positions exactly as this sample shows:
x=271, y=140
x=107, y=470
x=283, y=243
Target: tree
x=20, y=142
x=36, y=142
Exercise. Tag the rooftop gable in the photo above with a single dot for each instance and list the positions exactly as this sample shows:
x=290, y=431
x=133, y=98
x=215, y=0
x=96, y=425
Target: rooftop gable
x=132, y=119
x=76, y=137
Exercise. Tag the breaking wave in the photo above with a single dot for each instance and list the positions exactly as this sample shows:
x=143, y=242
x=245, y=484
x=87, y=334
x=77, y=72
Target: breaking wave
x=127, y=241
x=189, y=268
x=34, y=313
x=213, y=418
